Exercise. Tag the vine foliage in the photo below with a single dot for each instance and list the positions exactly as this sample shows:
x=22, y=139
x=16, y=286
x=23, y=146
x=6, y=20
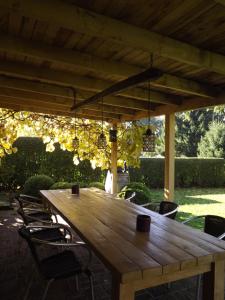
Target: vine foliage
x=62, y=130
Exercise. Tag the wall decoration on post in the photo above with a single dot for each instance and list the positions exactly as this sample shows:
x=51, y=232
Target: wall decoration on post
x=149, y=136
x=101, y=142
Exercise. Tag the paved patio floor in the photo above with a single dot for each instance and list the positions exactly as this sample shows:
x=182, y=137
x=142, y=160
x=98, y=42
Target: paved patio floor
x=17, y=268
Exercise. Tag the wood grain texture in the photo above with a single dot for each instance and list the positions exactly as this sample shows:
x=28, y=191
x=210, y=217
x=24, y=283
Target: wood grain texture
x=170, y=251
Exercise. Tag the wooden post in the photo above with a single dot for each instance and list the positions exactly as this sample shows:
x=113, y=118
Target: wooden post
x=114, y=164
x=169, y=157
x=213, y=282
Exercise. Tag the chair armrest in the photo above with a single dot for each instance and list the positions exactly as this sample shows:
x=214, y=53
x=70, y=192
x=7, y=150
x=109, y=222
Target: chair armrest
x=170, y=213
x=193, y=218
x=30, y=203
x=152, y=206
x=34, y=219
x=74, y=244
x=65, y=228
x=144, y=205
x=222, y=236
x=24, y=196
x=32, y=209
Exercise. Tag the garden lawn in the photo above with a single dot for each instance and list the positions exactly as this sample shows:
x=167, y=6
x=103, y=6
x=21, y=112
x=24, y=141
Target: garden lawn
x=196, y=201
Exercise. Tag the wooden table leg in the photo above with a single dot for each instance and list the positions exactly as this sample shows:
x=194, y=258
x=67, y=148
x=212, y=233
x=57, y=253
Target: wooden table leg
x=213, y=282
x=122, y=291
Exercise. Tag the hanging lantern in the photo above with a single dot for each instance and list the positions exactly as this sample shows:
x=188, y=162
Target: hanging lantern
x=148, y=141
x=101, y=142
x=149, y=136
x=75, y=142
x=113, y=135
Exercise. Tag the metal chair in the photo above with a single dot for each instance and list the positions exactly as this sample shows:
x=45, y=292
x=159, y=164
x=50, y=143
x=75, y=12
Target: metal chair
x=58, y=266
x=213, y=225
x=51, y=233
x=132, y=196
x=132, y=199
x=166, y=208
x=31, y=210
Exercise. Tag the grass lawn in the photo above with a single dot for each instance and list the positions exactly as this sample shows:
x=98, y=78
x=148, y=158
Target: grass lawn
x=196, y=201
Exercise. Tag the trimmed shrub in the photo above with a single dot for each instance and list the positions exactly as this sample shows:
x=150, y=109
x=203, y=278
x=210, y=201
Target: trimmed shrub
x=36, y=183
x=98, y=185
x=142, y=193
x=189, y=172
x=66, y=185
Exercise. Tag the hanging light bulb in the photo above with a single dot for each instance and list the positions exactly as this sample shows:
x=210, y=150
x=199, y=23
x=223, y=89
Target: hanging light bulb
x=75, y=141
x=101, y=142
x=149, y=136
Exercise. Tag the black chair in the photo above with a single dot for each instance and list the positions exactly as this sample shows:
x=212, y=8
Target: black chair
x=58, y=266
x=213, y=225
x=165, y=208
x=31, y=210
x=134, y=199
x=168, y=209
x=51, y=233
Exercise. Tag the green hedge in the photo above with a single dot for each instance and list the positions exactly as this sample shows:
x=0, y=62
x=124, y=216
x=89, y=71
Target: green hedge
x=189, y=172
x=32, y=159
x=66, y=185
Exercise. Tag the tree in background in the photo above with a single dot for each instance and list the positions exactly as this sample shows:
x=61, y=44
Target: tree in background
x=191, y=127
x=213, y=143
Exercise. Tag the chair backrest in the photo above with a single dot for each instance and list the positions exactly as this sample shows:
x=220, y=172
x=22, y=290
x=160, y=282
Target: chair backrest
x=166, y=207
x=25, y=233
x=214, y=225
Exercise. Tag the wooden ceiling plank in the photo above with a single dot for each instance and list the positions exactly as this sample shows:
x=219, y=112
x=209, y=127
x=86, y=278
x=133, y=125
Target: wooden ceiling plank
x=222, y=2
x=90, y=62
x=63, y=78
x=72, y=17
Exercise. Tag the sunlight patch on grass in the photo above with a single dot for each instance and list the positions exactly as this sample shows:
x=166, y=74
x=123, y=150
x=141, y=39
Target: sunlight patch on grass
x=196, y=201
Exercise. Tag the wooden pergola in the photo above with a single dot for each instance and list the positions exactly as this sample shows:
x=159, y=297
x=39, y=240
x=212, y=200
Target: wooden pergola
x=49, y=47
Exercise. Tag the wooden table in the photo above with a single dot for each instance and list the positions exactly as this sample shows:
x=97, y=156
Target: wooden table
x=171, y=251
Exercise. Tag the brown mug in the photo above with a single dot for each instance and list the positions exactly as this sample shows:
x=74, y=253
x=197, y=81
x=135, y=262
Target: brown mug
x=75, y=189
x=143, y=223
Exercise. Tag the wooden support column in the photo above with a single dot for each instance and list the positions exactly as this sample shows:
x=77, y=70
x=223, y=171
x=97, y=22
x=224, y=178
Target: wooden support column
x=114, y=164
x=169, y=157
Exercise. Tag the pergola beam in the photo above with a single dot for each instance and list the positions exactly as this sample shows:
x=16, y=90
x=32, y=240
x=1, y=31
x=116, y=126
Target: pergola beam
x=55, y=108
x=188, y=104
x=67, y=79
x=125, y=104
x=80, y=20
x=43, y=110
x=60, y=102
x=90, y=62
x=118, y=87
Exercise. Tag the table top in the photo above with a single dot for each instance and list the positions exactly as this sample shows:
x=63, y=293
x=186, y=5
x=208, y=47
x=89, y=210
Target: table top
x=108, y=226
